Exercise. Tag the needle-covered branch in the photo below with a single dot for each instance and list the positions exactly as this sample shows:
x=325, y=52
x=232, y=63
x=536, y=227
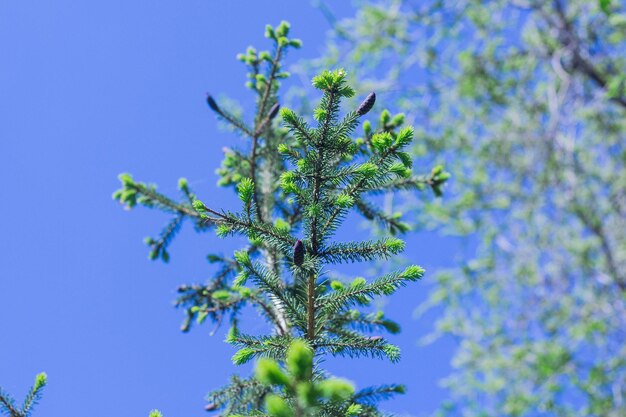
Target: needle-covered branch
x=361, y=251
x=9, y=407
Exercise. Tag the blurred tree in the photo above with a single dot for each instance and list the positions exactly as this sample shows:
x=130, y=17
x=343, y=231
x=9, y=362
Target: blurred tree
x=525, y=100
x=297, y=180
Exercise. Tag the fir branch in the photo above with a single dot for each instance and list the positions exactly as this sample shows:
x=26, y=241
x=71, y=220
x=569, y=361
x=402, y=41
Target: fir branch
x=372, y=395
x=391, y=222
x=272, y=315
x=273, y=347
x=414, y=183
x=271, y=285
x=272, y=235
x=7, y=405
x=198, y=300
x=34, y=394
x=360, y=291
x=361, y=251
x=158, y=247
x=355, y=188
x=230, y=118
x=355, y=345
x=240, y=397
x=137, y=192
x=298, y=126
x=341, y=133
x=363, y=322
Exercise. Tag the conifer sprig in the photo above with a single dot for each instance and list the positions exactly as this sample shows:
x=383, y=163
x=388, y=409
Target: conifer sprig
x=297, y=183
x=9, y=407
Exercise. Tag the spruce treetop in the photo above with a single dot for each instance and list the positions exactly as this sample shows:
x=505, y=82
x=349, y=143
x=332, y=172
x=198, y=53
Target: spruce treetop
x=297, y=180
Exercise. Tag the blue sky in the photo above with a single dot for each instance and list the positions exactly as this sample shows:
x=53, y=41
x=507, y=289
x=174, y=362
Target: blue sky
x=92, y=89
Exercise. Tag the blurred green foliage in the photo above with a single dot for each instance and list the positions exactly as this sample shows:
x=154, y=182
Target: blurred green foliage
x=299, y=395
x=525, y=102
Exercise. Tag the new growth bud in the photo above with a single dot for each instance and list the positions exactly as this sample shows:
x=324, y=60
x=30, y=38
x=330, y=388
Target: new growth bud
x=298, y=253
x=269, y=373
x=199, y=206
x=367, y=104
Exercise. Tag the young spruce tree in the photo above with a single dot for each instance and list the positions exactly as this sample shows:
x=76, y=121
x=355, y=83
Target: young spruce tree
x=297, y=180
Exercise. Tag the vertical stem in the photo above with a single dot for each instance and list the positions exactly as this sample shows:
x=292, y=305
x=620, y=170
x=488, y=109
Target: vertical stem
x=260, y=119
x=322, y=140
x=310, y=331
x=253, y=164
x=263, y=212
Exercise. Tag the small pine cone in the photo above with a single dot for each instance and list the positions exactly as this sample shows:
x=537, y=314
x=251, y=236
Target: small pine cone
x=211, y=407
x=298, y=253
x=273, y=111
x=212, y=104
x=367, y=104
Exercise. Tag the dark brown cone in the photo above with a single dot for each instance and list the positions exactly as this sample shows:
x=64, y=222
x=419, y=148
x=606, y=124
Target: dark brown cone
x=367, y=104
x=211, y=407
x=212, y=104
x=298, y=253
x=273, y=111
